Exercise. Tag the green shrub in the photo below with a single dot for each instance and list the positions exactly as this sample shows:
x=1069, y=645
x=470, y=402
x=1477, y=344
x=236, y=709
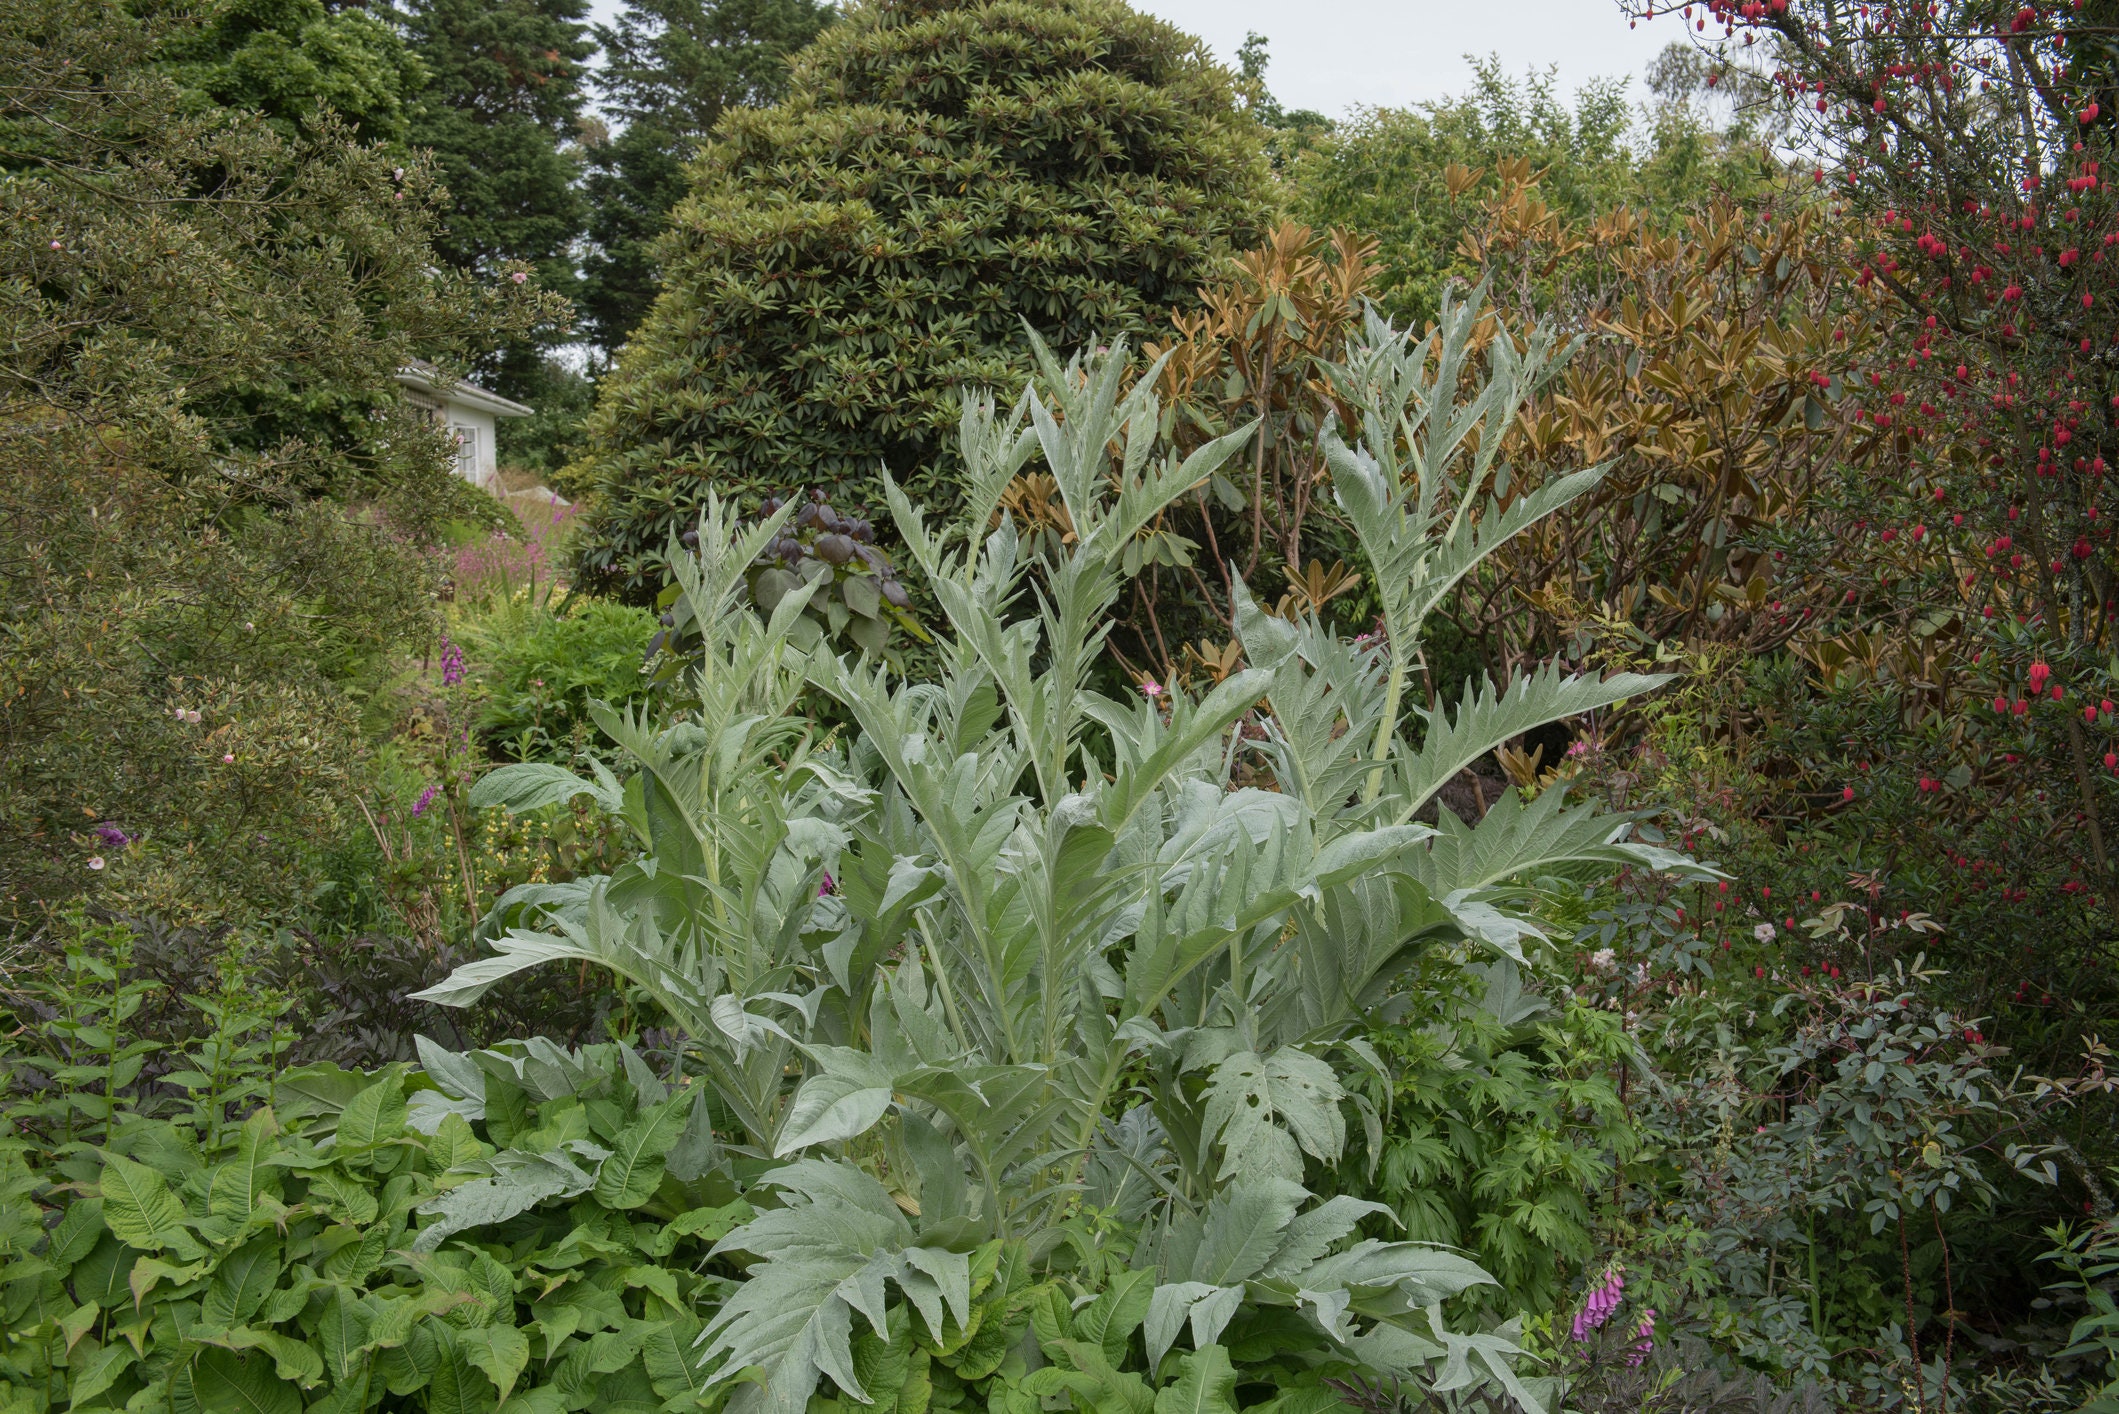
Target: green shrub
x=542, y=669
x=211, y=500
x=852, y=260
x=1506, y=1123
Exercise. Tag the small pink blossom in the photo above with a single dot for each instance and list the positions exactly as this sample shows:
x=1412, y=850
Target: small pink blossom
x=518, y=277
x=1151, y=689
x=228, y=758
x=95, y=861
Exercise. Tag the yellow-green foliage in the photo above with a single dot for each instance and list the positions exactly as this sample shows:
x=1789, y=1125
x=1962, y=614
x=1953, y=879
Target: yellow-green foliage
x=941, y=172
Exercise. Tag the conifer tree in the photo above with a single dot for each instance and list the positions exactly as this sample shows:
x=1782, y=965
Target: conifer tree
x=672, y=67
x=852, y=260
x=500, y=112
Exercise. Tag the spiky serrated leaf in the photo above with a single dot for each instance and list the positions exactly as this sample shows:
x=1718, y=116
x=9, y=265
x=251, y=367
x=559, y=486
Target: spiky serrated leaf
x=1485, y=719
x=1260, y=1108
x=520, y=1184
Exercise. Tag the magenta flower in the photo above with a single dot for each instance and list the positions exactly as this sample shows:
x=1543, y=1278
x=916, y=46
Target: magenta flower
x=1151, y=689
x=827, y=885
x=452, y=663
x=426, y=798
x=1601, y=1303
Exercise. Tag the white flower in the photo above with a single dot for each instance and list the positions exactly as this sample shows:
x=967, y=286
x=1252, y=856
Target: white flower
x=1603, y=959
x=1765, y=932
x=95, y=861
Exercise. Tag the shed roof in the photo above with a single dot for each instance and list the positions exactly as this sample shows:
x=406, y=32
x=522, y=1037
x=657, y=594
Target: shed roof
x=429, y=379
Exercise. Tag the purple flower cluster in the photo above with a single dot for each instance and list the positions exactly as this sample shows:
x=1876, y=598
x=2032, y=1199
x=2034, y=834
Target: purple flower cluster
x=1645, y=1341
x=452, y=663
x=112, y=835
x=1601, y=1303
x=426, y=798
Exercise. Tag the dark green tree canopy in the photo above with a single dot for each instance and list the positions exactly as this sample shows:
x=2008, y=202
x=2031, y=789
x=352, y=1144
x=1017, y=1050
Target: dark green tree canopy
x=499, y=112
x=671, y=69
x=849, y=262
x=682, y=63
x=289, y=60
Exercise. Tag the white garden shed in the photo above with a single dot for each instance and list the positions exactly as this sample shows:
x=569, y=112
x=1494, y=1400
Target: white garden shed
x=467, y=410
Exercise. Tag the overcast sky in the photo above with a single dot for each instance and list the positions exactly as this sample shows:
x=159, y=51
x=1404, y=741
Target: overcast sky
x=1333, y=55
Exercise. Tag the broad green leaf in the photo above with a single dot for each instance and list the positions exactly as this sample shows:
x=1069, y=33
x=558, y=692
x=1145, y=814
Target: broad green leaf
x=98, y=1372
x=829, y=1108
x=631, y=1174
x=499, y=1350
x=241, y=1283
x=458, y=1075
x=239, y=1180
x=1111, y=1318
x=375, y=1116
x=87, y=1378
x=75, y=1236
x=342, y=1332
x=344, y=1197
x=150, y=1272
x=222, y=1381
x=455, y=1386
x=291, y=1359
x=1206, y=1384
x=319, y=1089
x=77, y=1323
x=140, y=1209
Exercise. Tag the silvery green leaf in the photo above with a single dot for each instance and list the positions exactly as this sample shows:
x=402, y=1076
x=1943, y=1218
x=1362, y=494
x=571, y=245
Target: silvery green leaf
x=458, y=1075
x=1259, y=1108
x=426, y=1109
x=828, y=1108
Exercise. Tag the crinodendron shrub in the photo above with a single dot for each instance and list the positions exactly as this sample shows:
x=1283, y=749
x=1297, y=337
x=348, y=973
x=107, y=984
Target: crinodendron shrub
x=852, y=259
x=1019, y=991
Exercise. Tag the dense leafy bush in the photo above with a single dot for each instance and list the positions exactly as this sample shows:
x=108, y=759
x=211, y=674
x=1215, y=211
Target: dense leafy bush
x=542, y=668
x=853, y=259
x=209, y=504
x=1386, y=173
